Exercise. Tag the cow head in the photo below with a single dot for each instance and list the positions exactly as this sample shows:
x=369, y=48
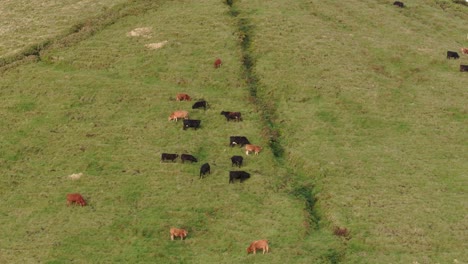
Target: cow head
x=82, y=202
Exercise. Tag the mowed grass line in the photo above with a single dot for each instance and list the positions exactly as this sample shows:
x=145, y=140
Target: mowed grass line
x=373, y=112
x=23, y=27
x=100, y=107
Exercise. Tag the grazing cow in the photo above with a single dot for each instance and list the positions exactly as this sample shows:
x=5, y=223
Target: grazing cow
x=193, y=123
x=238, y=175
x=259, y=244
x=75, y=198
x=183, y=97
x=252, y=148
x=238, y=140
x=237, y=161
x=464, y=50
x=218, y=63
x=171, y=157
x=199, y=104
x=236, y=116
x=176, y=232
x=188, y=157
x=463, y=68
x=204, y=169
x=179, y=114
x=399, y=4
x=452, y=54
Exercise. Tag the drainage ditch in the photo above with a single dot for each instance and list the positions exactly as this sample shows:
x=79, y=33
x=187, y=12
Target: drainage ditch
x=268, y=112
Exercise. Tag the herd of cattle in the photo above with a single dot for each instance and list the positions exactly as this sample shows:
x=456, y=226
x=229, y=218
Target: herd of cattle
x=450, y=54
x=236, y=160
x=242, y=141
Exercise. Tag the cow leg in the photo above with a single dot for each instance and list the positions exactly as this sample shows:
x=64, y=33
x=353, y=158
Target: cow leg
x=246, y=152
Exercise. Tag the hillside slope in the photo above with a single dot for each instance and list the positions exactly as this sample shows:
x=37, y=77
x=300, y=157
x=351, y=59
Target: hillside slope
x=361, y=117
x=369, y=107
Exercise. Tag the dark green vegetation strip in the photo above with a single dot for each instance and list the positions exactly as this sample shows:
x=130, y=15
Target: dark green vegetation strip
x=267, y=109
x=268, y=112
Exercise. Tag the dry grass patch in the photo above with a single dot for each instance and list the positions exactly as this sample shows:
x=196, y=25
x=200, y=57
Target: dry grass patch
x=140, y=32
x=158, y=45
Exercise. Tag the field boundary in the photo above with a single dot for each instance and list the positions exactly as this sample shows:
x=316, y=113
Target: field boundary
x=76, y=33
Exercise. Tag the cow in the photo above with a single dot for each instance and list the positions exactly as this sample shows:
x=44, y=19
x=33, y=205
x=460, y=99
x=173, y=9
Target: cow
x=199, y=104
x=238, y=175
x=75, y=198
x=193, y=123
x=464, y=50
x=463, y=68
x=237, y=161
x=258, y=244
x=452, y=54
x=179, y=114
x=171, y=157
x=238, y=140
x=218, y=63
x=204, y=169
x=252, y=148
x=183, y=97
x=399, y=4
x=188, y=157
x=236, y=116
x=176, y=232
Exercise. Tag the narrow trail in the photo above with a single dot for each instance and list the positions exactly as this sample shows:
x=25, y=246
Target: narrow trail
x=77, y=33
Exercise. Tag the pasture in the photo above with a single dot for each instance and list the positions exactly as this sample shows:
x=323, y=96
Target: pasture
x=361, y=118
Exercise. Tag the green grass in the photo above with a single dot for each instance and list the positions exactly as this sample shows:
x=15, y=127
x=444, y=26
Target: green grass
x=363, y=92
x=361, y=117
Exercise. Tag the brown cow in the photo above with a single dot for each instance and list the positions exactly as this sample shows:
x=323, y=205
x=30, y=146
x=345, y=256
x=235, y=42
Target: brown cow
x=464, y=50
x=252, y=148
x=75, y=198
x=183, y=97
x=179, y=114
x=259, y=244
x=218, y=63
x=176, y=232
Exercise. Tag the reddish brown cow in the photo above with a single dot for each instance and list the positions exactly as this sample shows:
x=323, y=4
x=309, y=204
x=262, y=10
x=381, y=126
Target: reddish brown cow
x=218, y=63
x=259, y=244
x=464, y=50
x=252, y=148
x=75, y=198
x=179, y=114
x=176, y=232
x=183, y=97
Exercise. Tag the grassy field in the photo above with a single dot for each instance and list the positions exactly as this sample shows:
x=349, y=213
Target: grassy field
x=369, y=107
x=364, y=116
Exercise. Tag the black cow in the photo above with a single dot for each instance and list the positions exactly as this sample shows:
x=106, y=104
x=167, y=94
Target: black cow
x=188, y=157
x=238, y=175
x=237, y=161
x=399, y=4
x=463, y=68
x=167, y=156
x=452, y=54
x=199, y=104
x=238, y=140
x=236, y=116
x=204, y=169
x=191, y=123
